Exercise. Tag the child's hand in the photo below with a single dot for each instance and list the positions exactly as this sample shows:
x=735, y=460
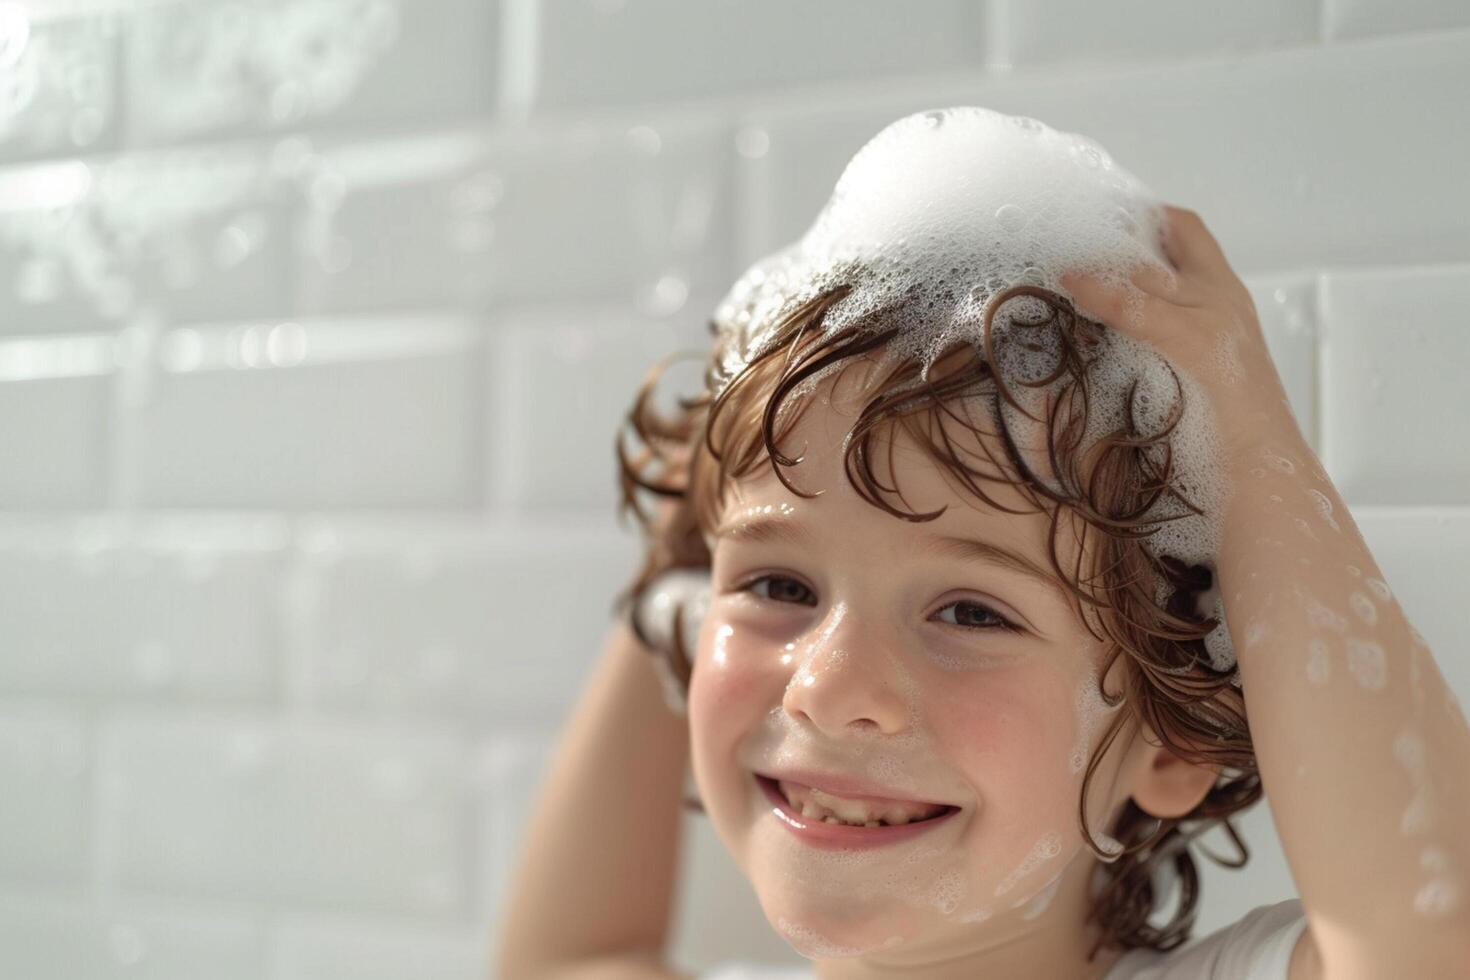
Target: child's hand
x=1204, y=323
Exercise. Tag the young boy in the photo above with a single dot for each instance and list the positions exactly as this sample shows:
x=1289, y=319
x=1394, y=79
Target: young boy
x=984, y=467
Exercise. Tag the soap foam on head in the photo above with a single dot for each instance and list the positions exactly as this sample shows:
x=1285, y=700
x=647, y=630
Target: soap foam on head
x=943, y=210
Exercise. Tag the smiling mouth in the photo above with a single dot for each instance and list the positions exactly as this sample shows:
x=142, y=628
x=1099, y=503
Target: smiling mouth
x=814, y=810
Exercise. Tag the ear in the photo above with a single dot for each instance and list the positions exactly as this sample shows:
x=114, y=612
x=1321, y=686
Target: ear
x=1163, y=784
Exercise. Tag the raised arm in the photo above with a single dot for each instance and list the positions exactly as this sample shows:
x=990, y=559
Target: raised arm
x=1361, y=744
x=1363, y=748
x=593, y=892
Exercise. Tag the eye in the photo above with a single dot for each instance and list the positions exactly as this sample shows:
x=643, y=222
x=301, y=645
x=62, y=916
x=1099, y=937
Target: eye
x=975, y=615
x=777, y=588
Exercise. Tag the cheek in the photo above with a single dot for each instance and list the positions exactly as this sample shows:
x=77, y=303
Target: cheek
x=728, y=693
x=1011, y=734
x=727, y=670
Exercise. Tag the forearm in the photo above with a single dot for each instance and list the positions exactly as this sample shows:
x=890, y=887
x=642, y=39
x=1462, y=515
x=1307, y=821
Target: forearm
x=1363, y=749
x=598, y=868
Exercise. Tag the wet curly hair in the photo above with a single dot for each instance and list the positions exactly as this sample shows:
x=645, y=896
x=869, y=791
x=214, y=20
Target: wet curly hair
x=1107, y=490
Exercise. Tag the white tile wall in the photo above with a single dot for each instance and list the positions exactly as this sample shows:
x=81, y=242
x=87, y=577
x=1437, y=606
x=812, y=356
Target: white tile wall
x=45, y=761
x=202, y=68
x=317, y=320
x=243, y=415
x=454, y=620
x=1392, y=394
x=263, y=808
x=102, y=610
x=61, y=81
x=554, y=439
x=1056, y=32
x=357, y=951
x=50, y=939
x=605, y=52
x=1344, y=19
x=56, y=455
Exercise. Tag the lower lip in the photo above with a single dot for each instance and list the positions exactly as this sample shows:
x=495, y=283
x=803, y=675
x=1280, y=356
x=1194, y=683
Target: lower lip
x=836, y=836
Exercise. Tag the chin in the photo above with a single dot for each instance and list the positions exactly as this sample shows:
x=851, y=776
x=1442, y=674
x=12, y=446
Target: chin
x=822, y=926
x=823, y=939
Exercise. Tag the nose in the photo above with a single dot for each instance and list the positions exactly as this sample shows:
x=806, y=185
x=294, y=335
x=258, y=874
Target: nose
x=846, y=680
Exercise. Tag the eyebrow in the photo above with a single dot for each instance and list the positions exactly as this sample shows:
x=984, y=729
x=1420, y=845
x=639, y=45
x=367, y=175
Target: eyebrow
x=784, y=530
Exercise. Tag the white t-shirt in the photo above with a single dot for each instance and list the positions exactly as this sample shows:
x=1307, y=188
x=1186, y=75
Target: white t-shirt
x=1257, y=947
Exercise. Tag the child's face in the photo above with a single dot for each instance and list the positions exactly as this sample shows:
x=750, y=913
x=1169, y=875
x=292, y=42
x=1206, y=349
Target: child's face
x=853, y=658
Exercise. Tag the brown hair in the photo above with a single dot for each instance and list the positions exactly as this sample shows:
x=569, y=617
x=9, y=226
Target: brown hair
x=1106, y=490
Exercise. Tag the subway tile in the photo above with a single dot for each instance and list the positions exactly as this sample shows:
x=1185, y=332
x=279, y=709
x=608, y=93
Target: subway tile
x=286, y=810
x=566, y=381
x=186, y=234
x=1394, y=342
x=310, y=414
x=60, y=78
x=624, y=210
x=203, y=233
x=1344, y=19
x=206, y=68
x=56, y=396
x=1300, y=146
x=63, y=272
x=608, y=53
x=45, y=767
x=49, y=939
x=341, y=949
x=483, y=625
x=1055, y=32
x=104, y=608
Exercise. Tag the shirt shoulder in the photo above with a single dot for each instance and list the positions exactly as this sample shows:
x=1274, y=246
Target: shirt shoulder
x=1256, y=947
x=756, y=971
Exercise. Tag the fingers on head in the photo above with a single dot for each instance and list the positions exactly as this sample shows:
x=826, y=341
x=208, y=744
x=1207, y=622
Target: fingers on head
x=1159, y=281
x=1125, y=307
x=1188, y=243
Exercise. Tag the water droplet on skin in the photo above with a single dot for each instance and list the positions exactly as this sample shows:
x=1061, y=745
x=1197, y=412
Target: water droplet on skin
x=1279, y=463
x=1324, y=508
x=1408, y=748
x=1319, y=614
x=1437, y=898
x=1367, y=663
x=1319, y=665
x=1416, y=817
x=1364, y=608
x=1434, y=859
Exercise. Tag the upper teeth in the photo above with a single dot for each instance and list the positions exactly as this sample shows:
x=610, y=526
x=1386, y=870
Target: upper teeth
x=818, y=805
